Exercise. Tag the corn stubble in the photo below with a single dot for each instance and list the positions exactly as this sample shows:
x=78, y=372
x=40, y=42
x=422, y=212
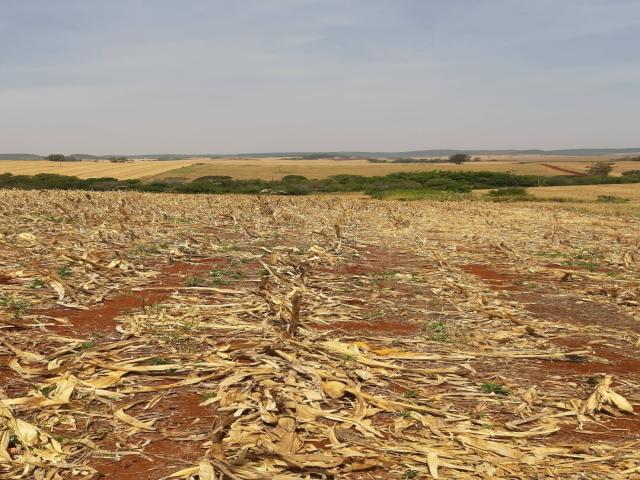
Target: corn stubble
x=294, y=397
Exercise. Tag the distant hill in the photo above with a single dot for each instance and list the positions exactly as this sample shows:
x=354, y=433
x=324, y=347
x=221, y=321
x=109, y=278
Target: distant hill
x=19, y=156
x=345, y=155
x=443, y=153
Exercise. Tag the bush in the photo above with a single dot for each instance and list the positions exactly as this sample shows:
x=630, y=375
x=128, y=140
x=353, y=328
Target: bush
x=406, y=194
x=509, y=185
x=509, y=192
x=459, y=158
x=611, y=199
x=631, y=172
x=294, y=178
x=601, y=169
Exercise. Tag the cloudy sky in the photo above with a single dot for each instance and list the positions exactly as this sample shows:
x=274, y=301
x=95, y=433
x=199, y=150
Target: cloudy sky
x=150, y=76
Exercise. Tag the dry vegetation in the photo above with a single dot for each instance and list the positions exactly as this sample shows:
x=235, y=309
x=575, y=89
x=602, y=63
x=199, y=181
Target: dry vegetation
x=91, y=169
x=589, y=192
x=204, y=337
x=276, y=168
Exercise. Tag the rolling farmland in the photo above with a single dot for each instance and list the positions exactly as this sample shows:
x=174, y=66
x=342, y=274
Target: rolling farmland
x=88, y=169
x=276, y=168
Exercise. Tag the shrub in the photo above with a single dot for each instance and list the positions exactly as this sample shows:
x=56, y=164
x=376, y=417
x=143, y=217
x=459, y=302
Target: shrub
x=600, y=169
x=294, y=178
x=508, y=192
x=611, y=199
x=459, y=158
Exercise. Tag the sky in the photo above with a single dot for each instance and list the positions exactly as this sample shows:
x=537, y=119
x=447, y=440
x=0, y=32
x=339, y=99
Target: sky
x=231, y=76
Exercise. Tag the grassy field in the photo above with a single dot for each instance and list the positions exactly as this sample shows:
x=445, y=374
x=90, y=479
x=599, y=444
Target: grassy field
x=155, y=335
x=89, y=169
x=276, y=168
x=619, y=200
x=589, y=192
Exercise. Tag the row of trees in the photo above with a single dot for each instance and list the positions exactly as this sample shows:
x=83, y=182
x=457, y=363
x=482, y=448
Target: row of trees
x=58, y=157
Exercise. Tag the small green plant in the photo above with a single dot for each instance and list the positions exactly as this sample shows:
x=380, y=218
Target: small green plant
x=410, y=394
x=37, y=283
x=144, y=249
x=222, y=273
x=86, y=346
x=47, y=389
x=158, y=361
x=412, y=474
x=592, y=380
x=495, y=388
x=222, y=276
x=194, y=282
x=437, y=331
x=64, y=272
x=17, y=306
x=53, y=218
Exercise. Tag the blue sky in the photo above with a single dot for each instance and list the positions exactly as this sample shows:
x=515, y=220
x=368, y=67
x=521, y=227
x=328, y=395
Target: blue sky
x=141, y=76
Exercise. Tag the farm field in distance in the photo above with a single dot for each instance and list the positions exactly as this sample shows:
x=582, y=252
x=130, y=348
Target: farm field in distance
x=155, y=335
x=276, y=168
x=89, y=168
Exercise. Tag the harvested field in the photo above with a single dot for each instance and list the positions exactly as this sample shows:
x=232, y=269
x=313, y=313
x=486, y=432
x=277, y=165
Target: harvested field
x=630, y=191
x=276, y=168
x=89, y=169
x=154, y=336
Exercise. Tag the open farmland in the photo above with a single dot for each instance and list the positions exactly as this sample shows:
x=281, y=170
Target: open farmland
x=589, y=192
x=620, y=200
x=147, y=335
x=91, y=169
x=276, y=168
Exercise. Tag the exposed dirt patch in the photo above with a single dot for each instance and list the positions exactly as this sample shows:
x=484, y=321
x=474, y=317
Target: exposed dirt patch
x=184, y=421
x=385, y=327
x=574, y=310
x=621, y=357
x=494, y=279
x=101, y=318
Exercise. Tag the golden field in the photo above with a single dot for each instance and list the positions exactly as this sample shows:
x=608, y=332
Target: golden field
x=630, y=191
x=276, y=168
x=91, y=169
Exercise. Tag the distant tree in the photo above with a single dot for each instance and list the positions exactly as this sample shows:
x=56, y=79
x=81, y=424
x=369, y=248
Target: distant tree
x=459, y=158
x=118, y=159
x=56, y=157
x=600, y=169
x=294, y=178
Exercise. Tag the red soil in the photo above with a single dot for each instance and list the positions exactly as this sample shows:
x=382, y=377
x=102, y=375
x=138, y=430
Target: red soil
x=494, y=280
